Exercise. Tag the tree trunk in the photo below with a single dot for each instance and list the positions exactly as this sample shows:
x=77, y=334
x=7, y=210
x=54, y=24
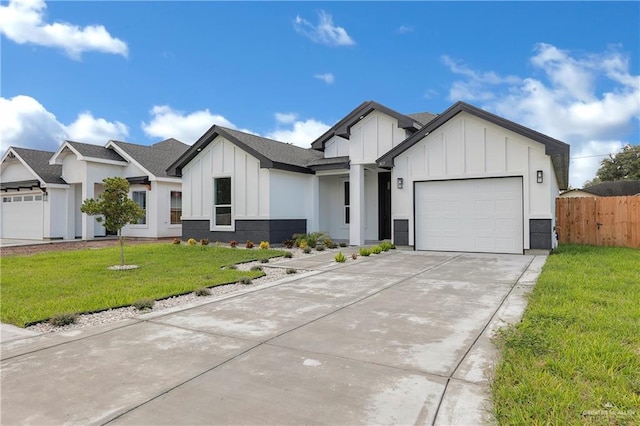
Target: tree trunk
x=121, y=239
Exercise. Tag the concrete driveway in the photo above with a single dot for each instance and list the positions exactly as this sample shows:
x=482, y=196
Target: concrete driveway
x=398, y=338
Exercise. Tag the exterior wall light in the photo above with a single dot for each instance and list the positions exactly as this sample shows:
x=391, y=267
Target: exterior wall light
x=400, y=183
x=539, y=176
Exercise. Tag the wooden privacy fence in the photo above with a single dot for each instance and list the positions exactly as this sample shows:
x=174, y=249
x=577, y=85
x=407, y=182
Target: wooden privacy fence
x=601, y=221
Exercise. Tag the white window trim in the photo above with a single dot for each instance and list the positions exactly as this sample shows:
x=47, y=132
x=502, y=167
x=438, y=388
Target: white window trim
x=213, y=226
x=144, y=225
x=174, y=225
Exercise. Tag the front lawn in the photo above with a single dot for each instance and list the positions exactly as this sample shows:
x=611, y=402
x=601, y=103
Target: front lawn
x=36, y=287
x=575, y=357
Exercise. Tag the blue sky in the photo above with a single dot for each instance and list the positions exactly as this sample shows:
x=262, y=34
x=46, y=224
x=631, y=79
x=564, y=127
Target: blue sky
x=145, y=71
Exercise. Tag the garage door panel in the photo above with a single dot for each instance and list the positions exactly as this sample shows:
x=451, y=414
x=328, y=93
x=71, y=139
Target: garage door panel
x=22, y=219
x=479, y=215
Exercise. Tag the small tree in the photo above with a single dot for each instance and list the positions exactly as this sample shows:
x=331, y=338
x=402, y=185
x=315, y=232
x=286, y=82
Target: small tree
x=115, y=207
x=625, y=165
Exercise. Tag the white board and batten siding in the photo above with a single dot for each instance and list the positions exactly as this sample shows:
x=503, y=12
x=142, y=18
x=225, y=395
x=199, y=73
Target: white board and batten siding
x=257, y=193
x=469, y=148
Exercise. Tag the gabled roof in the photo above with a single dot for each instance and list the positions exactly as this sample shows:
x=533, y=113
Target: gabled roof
x=330, y=163
x=154, y=158
x=341, y=128
x=86, y=151
x=270, y=153
x=37, y=162
x=557, y=150
x=617, y=188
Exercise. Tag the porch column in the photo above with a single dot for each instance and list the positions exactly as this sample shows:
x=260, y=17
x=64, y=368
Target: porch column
x=87, y=221
x=313, y=217
x=356, y=205
x=70, y=222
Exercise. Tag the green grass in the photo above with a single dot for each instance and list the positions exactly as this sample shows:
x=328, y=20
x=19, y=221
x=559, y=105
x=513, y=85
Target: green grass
x=575, y=357
x=37, y=287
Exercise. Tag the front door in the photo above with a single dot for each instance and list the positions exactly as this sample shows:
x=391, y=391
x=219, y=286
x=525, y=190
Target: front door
x=384, y=206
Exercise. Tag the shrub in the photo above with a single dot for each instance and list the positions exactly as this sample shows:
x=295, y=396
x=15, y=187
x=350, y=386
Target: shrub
x=60, y=320
x=291, y=271
x=256, y=268
x=307, y=250
x=204, y=242
x=265, y=260
x=340, y=258
x=303, y=244
x=245, y=281
x=249, y=244
x=144, y=304
x=328, y=241
x=332, y=245
x=202, y=291
x=231, y=267
x=320, y=247
x=233, y=243
x=264, y=245
x=386, y=245
x=191, y=242
x=177, y=241
x=288, y=255
x=354, y=255
x=365, y=252
x=376, y=249
x=342, y=244
x=311, y=238
x=288, y=243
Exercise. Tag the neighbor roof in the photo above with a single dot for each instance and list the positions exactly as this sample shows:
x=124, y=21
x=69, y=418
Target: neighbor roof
x=154, y=158
x=422, y=117
x=38, y=162
x=557, y=150
x=271, y=153
x=95, y=151
x=341, y=128
x=617, y=188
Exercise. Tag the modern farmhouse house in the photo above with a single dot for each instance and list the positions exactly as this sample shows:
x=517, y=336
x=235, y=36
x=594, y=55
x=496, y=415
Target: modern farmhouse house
x=463, y=180
x=42, y=191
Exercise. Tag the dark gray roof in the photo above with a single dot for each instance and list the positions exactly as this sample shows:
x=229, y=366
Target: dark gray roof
x=155, y=158
x=341, y=128
x=617, y=188
x=271, y=153
x=39, y=163
x=95, y=151
x=330, y=163
x=422, y=117
x=557, y=150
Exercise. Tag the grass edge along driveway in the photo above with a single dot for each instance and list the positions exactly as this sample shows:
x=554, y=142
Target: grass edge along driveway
x=39, y=286
x=575, y=356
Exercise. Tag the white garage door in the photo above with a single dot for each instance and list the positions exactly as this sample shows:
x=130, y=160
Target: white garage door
x=476, y=215
x=22, y=216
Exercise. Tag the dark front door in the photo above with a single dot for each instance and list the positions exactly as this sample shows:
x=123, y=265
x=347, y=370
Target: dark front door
x=384, y=206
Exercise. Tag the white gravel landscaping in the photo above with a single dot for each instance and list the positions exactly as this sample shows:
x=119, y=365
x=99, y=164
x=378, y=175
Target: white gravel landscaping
x=274, y=271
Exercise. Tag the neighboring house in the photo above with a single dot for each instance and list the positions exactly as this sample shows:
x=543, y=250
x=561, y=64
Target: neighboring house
x=464, y=180
x=42, y=191
x=618, y=188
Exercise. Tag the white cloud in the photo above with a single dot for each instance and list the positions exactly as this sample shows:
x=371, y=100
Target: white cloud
x=430, y=94
x=22, y=21
x=591, y=101
x=27, y=123
x=286, y=118
x=301, y=133
x=324, y=32
x=403, y=29
x=98, y=131
x=186, y=127
x=326, y=77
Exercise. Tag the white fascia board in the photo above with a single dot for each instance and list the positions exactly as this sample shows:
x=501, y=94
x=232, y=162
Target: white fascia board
x=26, y=166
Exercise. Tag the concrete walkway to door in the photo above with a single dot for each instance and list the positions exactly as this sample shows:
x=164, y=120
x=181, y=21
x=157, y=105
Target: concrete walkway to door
x=398, y=338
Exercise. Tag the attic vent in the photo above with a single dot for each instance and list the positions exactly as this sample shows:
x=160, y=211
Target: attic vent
x=11, y=155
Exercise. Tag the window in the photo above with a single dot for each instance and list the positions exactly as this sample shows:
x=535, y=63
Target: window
x=38, y=197
x=140, y=197
x=17, y=199
x=6, y=199
x=176, y=207
x=347, y=210
x=28, y=198
x=222, y=202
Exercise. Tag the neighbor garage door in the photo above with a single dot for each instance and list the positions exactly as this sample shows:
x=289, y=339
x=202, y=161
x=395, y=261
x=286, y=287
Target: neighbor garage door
x=476, y=215
x=22, y=216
